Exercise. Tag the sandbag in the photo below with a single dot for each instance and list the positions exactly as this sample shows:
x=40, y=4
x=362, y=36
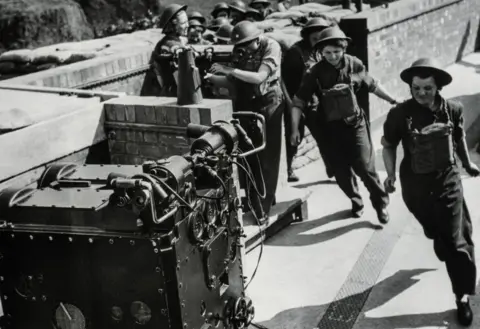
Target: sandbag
x=87, y=45
x=274, y=23
x=292, y=30
x=285, y=14
x=333, y=16
x=7, y=67
x=310, y=7
x=285, y=40
x=17, y=56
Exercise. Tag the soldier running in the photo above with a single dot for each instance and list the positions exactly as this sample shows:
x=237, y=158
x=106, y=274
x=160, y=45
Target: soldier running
x=296, y=63
x=335, y=79
x=161, y=80
x=256, y=81
x=431, y=129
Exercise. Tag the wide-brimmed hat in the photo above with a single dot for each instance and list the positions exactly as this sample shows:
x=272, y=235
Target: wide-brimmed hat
x=331, y=33
x=442, y=77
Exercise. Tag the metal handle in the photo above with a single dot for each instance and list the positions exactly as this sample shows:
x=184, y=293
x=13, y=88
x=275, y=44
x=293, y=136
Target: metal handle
x=261, y=118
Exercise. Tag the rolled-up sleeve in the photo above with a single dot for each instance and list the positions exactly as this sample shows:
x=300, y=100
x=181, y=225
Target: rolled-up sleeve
x=393, y=128
x=272, y=56
x=366, y=79
x=458, y=122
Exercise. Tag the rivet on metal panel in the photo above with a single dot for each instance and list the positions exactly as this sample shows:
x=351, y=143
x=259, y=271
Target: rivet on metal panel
x=5, y=297
x=30, y=278
x=110, y=241
x=50, y=238
x=186, y=260
x=183, y=305
x=132, y=243
x=31, y=237
x=178, y=268
x=157, y=269
x=2, y=278
x=90, y=240
x=185, y=325
x=44, y=298
x=34, y=299
x=12, y=236
x=155, y=250
x=139, y=222
x=70, y=239
x=180, y=285
x=160, y=291
x=178, y=262
x=154, y=243
x=163, y=311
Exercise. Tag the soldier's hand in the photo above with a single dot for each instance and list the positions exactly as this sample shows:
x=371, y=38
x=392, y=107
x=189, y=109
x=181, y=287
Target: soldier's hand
x=219, y=68
x=389, y=184
x=472, y=169
x=295, y=138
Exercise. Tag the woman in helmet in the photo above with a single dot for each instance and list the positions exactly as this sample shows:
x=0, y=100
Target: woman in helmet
x=195, y=33
x=161, y=79
x=253, y=15
x=263, y=6
x=255, y=78
x=221, y=10
x=335, y=79
x=237, y=11
x=297, y=61
x=431, y=131
x=198, y=17
x=223, y=34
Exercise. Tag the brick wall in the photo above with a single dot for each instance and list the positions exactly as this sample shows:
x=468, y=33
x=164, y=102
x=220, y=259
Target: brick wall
x=389, y=39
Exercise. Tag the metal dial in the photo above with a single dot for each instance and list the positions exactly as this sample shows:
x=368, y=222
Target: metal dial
x=68, y=316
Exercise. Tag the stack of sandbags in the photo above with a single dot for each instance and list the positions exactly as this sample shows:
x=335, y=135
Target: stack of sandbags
x=310, y=7
x=274, y=23
x=289, y=14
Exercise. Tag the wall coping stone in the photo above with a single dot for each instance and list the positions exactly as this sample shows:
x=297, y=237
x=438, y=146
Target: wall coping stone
x=379, y=18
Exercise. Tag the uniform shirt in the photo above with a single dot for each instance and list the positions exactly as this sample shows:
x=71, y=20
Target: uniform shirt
x=269, y=53
x=395, y=128
x=323, y=75
x=298, y=59
x=166, y=45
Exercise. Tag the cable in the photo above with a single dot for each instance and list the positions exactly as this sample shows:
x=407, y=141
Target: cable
x=182, y=200
x=251, y=179
x=224, y=186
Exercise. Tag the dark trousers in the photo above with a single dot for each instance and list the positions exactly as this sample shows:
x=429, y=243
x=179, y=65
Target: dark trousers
x=352, y=153
x=268, y=162
x=436, y=200
x=310, y=120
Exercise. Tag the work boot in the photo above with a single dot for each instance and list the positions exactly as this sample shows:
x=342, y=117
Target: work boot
x=292, y=178
x=464, y=312
x=357, y=211
x=383, y=216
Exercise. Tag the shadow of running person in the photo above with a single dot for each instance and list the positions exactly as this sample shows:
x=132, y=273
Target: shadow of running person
x=294, y=235
x=344, y=312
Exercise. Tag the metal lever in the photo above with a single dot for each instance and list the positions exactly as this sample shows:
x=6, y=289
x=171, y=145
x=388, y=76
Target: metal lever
x=261, y=118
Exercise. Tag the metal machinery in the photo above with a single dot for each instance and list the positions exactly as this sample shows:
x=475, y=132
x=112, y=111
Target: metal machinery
x=124, y=246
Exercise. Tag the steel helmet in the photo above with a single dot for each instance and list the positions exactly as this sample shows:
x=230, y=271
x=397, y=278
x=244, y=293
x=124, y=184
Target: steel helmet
x=238, y=5
x=315, y=23
x=224, y=32
x=195, y=23
x=219, y=7
x=169, y=13
x=442, y=77
x=217, y=22
x=244, y=31
x=260, y=2
x=197, y=16
x=331, y=33
x=253, y=12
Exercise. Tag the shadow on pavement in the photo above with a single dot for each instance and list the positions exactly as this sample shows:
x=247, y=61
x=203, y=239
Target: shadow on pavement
x=308, y=317
x=294, y=234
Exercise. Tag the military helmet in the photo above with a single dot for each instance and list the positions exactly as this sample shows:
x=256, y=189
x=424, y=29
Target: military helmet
x=219, y=7
x=196, y=23
x=217, y=22
x=253, y=12
x=197, y=16
x=224, y=32
x=442, y=77
x=244, y=31
x=169, y=13
x=260, y=2
x=331, y=33
x=316, y=22
x=238, y=5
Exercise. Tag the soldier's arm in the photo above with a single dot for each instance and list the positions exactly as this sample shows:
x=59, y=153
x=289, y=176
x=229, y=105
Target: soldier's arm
x=459, y=134
x=220, y=81
x=271, y=61
x=392, y=135
x=374, y=86
x=303, y=95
